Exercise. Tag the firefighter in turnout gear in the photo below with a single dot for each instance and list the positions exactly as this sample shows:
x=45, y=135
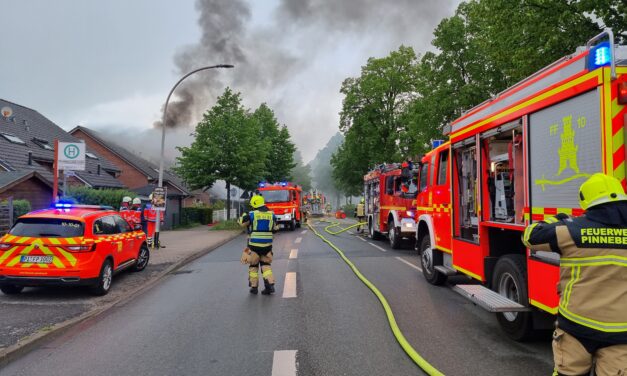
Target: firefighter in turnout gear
x=592, y=320
x=261, y=224
x=360, y=213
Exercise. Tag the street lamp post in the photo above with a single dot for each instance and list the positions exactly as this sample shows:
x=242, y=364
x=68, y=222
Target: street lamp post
x=156, y=243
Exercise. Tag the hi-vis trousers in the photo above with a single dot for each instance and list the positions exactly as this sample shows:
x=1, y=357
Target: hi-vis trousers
x=265, y=262
x=572, y=358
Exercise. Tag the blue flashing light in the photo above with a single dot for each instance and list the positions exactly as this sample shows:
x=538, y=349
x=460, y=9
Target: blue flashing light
x=60, y=205
x=262, y=185
x=599, y=56
x=283, y=184
x=436, y=143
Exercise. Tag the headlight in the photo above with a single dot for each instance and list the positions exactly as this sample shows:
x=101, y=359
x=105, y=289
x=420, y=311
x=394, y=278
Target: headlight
x=410, y=213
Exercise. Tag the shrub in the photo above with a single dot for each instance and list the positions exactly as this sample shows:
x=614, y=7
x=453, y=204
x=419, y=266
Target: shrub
x=91, y=196
x=218, y=205
x=349, y=209
x=20, y=207
x=200, y=215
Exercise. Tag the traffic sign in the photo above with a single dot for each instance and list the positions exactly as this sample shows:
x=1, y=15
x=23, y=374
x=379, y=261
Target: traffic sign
x=71, y=156
x=159, y=198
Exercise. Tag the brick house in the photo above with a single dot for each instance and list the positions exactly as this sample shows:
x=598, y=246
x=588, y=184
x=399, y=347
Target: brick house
x=138, y=174
x=27, y=156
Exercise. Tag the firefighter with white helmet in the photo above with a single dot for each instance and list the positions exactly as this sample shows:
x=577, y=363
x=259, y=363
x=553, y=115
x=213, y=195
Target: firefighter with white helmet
x=261, y=224
x=136, y=204
x=592, y=321
x=126, y=203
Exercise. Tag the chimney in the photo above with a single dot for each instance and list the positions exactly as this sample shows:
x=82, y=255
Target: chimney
x=30, y=158
x=98, y=168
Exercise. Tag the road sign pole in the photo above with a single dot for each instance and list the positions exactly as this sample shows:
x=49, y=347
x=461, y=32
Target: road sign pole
x=55, y=184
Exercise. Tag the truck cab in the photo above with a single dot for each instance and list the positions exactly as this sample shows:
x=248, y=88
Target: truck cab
x=284, y=199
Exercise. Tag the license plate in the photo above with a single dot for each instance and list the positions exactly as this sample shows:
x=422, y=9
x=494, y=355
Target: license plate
x=37, y=259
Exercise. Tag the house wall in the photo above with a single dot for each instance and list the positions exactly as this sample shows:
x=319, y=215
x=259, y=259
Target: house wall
x=129, y=176
x=37, y=193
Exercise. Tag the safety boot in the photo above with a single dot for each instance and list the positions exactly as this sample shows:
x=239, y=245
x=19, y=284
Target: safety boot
x=254, y=290
x=269, y=288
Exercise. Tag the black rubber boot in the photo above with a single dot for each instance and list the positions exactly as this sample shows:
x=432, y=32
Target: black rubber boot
x=254, y=290
x=269, y=288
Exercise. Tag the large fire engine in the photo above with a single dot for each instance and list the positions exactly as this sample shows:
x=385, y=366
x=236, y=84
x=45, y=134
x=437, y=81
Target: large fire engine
x=390, y=194
x=315, y=203
x=518, y=158
x=284, y=199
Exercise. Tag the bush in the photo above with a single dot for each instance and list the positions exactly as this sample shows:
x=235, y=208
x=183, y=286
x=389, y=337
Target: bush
x=218, y=205
x=91, y=196
x=349, y=209
x=201, y=215
x=231, y=224
x=20, y=207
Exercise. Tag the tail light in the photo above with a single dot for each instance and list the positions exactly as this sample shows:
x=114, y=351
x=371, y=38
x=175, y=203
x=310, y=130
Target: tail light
x=80, y=248
x=622, y=93
x=5, y=246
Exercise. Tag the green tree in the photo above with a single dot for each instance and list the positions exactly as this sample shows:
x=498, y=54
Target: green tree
x=276, y=139
x=301, y=173
x=226, y=147
x=322, y=170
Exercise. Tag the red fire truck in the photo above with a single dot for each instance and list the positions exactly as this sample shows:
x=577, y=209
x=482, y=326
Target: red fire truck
x=390, y=194
x=284, y=199
x=513, y=160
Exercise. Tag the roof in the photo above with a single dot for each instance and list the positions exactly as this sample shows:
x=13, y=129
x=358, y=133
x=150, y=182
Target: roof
x=34, y=129
x=11, y=178
x=147, y=168
x=77, y=213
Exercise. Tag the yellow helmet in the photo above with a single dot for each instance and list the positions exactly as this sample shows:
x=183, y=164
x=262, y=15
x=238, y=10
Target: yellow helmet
x=362, y=200
x=257, y=201
x=600, y=189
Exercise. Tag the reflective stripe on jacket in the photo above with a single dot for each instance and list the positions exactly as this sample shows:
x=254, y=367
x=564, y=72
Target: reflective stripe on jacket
x=261, y=225
x=593, y=268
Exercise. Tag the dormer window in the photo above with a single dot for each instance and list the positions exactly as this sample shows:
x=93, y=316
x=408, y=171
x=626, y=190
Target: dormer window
x=91, y=155
x=13, y=139
x=43, y=143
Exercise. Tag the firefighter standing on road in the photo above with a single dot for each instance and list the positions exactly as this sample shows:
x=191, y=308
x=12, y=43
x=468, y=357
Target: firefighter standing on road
x=360, y=213
x=261, y=224
x=592, y=321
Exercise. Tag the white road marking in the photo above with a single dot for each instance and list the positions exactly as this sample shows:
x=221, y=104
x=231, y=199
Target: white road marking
x=289, y=287
x=377, y=247
x=409, y=263
x=303, y=232
x=284, y=363
x=298, y=240
x=360, y=238
x=294, y=253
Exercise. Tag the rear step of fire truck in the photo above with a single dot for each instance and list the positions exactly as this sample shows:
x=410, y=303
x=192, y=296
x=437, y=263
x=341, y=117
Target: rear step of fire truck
x=488, y=299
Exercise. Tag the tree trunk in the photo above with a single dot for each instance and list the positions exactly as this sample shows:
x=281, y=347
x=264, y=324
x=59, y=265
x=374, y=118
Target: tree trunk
x=228, y=200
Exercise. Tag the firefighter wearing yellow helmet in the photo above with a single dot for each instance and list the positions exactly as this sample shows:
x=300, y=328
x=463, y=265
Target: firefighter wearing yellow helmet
x=360, y=213
x=261, y=224
x=592, y=320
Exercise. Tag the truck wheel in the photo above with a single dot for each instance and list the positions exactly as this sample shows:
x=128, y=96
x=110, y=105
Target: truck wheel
x=292, y=225
x=429, y=258
x=11, y=289
x=394, y=235
x=510, y=280
x=374, y=235
x=103, y=285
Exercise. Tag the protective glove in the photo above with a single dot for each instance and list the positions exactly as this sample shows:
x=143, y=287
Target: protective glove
x=245, y=256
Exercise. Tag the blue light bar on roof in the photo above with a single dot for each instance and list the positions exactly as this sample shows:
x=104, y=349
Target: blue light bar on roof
x=283, y=184
x=60, y=205
x=599, y=56
x=262, y=184
x=436, y=143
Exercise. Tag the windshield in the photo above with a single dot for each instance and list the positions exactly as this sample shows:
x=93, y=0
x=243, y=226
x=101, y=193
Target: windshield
x=275, y=196
x=412, y=186
x=47, y=228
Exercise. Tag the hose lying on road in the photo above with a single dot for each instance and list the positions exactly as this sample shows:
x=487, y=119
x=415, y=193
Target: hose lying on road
x=413, y=354
x=333, y=224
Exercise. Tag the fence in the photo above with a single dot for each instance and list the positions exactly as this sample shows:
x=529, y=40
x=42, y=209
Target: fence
x=6, y=216
x=220, y=215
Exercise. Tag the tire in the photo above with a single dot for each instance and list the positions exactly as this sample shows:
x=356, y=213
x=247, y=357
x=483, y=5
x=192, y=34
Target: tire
x=510, y=280
x=292, y=225
x=103, y=285
x=143, y=256
x=429, y=258
x=11, y=289
x=394, y=235
x=374, y=235
x=298, y=223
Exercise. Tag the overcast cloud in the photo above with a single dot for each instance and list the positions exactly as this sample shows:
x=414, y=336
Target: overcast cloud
x=109, y=65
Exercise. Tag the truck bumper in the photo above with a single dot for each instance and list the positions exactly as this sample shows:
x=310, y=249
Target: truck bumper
x=408, y=227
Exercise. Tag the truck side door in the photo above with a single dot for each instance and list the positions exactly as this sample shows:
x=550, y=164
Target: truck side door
x=441, y=201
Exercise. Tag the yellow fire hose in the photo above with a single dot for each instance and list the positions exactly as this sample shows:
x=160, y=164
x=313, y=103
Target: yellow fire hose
x=334, y=224
x=413, y=354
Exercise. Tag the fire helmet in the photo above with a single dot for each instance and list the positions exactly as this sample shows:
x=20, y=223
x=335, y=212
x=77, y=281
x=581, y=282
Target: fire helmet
x=126, y=200
x=600, y=189
x=257, y=201
x=137, y=201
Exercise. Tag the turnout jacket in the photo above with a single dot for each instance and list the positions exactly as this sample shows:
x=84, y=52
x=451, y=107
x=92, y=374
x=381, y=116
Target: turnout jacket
x=261, y=224
x=593, y=269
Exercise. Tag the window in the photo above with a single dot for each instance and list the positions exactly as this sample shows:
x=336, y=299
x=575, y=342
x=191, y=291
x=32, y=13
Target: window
x=123, y=226
x=42, y=144
x=389, y=185
x=442, y=167
x=424, y=172
x=13, y=139
x=275, y=196
x=105, y=226
x=47, y=227
x=90, y=155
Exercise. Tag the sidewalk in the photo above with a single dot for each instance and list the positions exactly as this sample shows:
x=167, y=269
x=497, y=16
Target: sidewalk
x=37, y=313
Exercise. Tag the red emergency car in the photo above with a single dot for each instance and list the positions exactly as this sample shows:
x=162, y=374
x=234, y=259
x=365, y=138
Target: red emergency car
x=70, y=245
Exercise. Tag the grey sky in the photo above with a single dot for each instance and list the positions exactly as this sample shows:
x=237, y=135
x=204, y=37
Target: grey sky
x=109, y=64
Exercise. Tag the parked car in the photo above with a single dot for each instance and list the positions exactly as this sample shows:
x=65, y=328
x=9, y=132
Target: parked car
x=70, y=245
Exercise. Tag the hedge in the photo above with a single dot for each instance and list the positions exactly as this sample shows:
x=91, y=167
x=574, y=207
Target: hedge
x=20, y=207
x=91, y=196
x=200, y=215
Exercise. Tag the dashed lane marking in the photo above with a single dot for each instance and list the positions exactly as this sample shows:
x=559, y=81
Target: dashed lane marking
x=298, y=240
x=409, y=263
x=294, y=253
x=284, y=363
x=303, y=232
x=289, y=287
x=377, y=247
x=360, y=238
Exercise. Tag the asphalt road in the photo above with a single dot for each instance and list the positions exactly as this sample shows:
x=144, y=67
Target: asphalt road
x=203, y=321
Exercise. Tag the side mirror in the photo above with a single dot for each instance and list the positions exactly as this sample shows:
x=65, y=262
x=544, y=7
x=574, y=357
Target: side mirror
x=137, y=226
